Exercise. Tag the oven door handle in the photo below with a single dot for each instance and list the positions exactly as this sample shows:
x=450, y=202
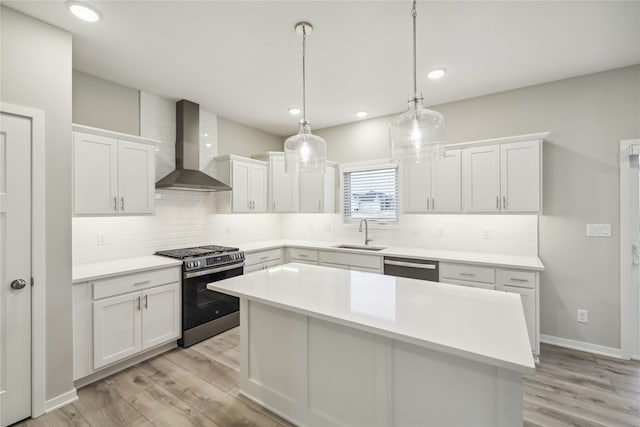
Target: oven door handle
x=213, y=270
x=410, y=264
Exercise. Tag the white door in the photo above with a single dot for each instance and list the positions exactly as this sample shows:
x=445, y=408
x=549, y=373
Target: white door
x=136, y=177
x=160, y=315
x=259, y=188
x=446, y=183
x=311, y=192
x=116, y=328
x=241, y=173
x=329, y=187
x=416, y=185
x=15, y=269
x=283, y=187
x=481, y=170
x=528, y=298
x=520, y=176
x=95, y=174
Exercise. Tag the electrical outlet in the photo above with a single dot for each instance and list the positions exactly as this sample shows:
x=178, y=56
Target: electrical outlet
x=102, y=239
x=599, y=230
x=583, y=316
x=486, y=233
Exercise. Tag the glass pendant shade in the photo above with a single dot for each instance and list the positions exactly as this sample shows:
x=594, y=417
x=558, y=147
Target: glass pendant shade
x=418, y=134
x=305, y=153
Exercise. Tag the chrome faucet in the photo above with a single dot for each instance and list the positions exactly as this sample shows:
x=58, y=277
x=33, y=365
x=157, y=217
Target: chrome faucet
x=366, y=231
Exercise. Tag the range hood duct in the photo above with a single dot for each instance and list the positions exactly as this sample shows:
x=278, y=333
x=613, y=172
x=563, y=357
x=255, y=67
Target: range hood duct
x=187, y=175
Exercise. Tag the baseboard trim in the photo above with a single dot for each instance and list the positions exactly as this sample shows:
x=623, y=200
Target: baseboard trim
x=582, y=346
x=60, y=401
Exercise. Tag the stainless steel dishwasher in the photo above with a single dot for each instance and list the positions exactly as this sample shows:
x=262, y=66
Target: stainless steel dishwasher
x=412, y=268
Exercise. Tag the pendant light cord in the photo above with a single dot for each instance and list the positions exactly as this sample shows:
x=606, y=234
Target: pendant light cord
x=415, y=84
x=304, y=76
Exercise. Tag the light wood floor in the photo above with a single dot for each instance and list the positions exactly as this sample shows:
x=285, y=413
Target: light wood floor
x=198, y=386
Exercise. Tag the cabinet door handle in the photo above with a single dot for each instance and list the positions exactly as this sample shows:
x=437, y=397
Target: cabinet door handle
x=319, y=205
x=138, y=303
x=428, y=201
x=115, y=204
x=274, y=205
x=122, y=203
x=498, y=202
x=248, y=204
x=504, y=202
x=146, y=301
x=433, y=204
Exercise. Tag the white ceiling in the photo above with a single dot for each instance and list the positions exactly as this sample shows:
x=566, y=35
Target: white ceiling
x=241, y=59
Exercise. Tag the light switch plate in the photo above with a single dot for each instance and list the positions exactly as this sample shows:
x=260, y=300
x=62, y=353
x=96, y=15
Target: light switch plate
x=599, y=230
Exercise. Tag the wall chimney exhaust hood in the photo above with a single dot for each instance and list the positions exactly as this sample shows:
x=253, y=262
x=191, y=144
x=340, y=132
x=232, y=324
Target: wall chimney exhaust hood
x=187, y=175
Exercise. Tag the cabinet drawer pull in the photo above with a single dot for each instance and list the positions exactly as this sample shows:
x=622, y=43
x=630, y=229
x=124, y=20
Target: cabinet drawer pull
x=264, y=257
x=141, y=283
x=303, y=255
x=410, y=264
x=515, y=279
x=467, y=274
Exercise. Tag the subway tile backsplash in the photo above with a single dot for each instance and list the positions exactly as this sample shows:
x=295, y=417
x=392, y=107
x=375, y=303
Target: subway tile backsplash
x=189, y=218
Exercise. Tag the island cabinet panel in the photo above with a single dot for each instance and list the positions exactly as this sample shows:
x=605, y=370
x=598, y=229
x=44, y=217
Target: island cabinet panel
x=372, y=263
x=416, y=370
x=316, y=372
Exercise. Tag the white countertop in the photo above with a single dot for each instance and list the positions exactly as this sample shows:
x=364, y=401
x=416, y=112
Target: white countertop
x=100, y=270
x=498, y=260
x=477, y=324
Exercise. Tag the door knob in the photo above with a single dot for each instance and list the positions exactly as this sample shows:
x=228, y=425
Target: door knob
x=18, y=284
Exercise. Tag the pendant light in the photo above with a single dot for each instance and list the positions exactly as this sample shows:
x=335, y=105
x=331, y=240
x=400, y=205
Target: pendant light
x=418, y=134
x=305, y=153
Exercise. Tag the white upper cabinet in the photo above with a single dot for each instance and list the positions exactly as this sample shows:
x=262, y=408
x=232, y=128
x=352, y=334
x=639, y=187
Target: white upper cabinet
x=282, y=194
x=520, y=176
x=482, y=179
x=112, y=173
x=505, y=176
x=248, y=181
x=318, y=192
x=433, y=186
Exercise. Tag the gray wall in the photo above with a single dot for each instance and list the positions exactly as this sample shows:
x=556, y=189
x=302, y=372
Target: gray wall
x=103, y=104
x=236, y=138
x=587, y=117
x=36, y=72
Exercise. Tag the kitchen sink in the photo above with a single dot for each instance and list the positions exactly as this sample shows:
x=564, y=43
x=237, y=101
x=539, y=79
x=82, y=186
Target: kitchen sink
x=360, y=247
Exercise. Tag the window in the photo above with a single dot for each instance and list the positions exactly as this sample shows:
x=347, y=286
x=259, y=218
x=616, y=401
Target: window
x=372, y=194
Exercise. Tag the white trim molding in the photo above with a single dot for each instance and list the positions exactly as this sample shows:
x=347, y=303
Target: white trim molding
x=61, y=400
x=38, y=254
x=582, y=346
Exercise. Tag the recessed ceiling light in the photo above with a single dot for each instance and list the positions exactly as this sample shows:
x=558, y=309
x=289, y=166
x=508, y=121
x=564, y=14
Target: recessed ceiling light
x=436, y=73
x=361, y=114
x=294, y=111
x=84, y=11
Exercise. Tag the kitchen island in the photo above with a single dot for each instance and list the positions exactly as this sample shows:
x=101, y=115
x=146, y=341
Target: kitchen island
x=323, y=346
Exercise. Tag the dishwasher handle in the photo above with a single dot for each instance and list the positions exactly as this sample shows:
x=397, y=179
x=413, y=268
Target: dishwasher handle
x=410, y=264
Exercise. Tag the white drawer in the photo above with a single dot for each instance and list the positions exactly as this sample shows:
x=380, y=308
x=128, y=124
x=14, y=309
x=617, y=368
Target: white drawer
x=263, y=256
x=467, y=273
x=134, y=282
x=302, y=254
x=469, y=284
x=261, y=266
x=355, y=260
x=519, y=278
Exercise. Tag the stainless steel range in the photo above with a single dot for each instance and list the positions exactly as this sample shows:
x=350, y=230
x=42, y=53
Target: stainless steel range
x=207, y=313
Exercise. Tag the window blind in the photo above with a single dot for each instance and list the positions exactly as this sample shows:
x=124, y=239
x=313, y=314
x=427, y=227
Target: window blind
x=371, y=194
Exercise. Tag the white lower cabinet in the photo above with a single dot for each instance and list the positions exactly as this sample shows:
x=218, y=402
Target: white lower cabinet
x=262, y=260
x=303, y=256
x=351, y=261
x=123, y=316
